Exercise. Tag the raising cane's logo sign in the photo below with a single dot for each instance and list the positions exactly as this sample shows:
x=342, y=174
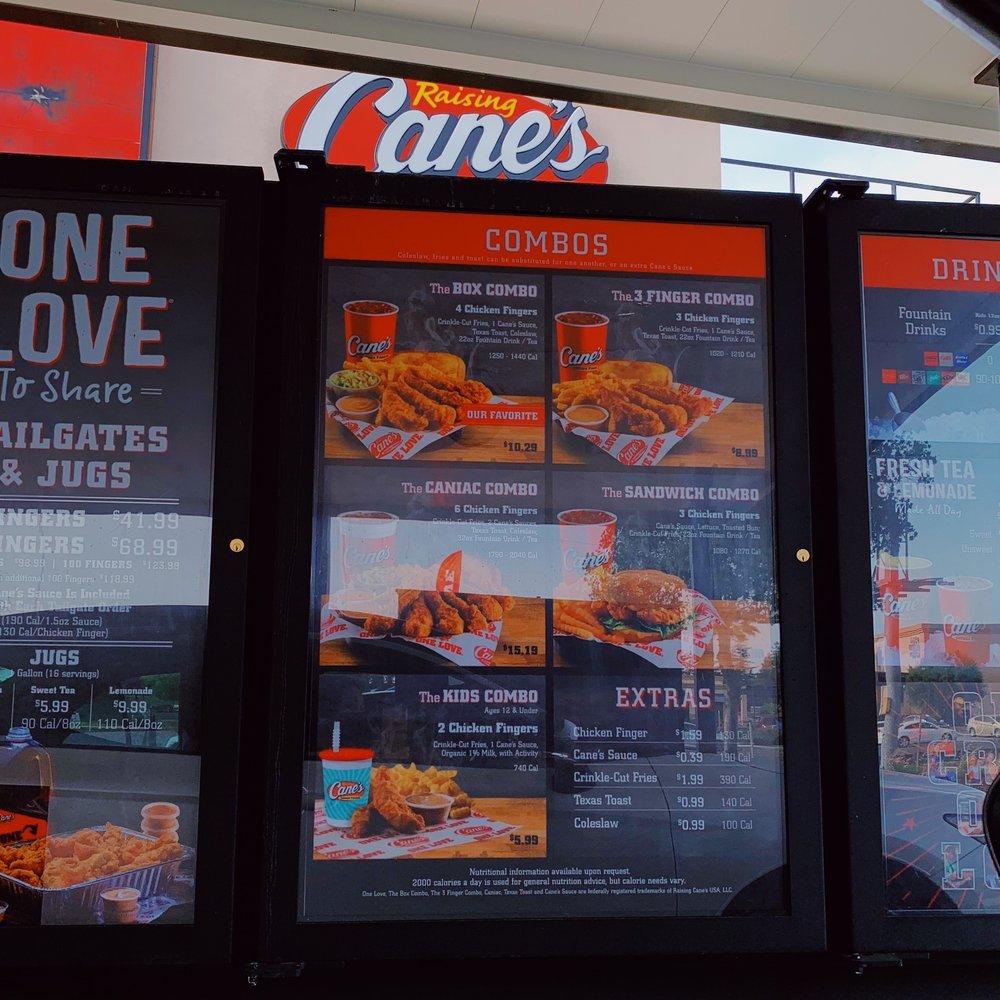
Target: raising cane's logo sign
x=346, y=791
x=394, y=126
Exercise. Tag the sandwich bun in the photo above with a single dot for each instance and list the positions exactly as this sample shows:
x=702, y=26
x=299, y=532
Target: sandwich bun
x=447, y=364
x=640, y=371
x=644, y=588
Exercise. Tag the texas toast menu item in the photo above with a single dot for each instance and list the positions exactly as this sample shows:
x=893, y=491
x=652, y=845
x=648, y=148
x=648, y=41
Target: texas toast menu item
x=442, y=367
x=645, y=772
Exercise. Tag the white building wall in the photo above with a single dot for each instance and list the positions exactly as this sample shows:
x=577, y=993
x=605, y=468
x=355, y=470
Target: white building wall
x=215, y=108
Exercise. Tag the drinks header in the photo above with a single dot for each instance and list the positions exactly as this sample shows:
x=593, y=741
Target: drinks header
x=935, y=263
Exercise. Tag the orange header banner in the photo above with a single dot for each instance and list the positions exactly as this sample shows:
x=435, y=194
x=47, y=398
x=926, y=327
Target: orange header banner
x=947, y=263
x=479, y=240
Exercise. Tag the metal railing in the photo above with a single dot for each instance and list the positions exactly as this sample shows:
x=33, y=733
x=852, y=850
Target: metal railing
x=967, y=197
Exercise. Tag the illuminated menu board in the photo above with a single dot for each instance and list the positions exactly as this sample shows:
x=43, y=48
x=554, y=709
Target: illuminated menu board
x=547, y=654
x=107, y=424
x=931, y=330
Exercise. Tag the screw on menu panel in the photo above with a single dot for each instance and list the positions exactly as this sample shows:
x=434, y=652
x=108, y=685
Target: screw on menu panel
x=237, y=545
x=803, y=555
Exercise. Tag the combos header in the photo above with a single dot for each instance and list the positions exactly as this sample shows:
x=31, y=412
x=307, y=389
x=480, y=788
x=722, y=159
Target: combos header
x=480, y=240
x=949, y=263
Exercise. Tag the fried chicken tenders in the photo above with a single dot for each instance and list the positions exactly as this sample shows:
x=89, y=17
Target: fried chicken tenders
x=62, y=862
x=423, y=613
x=636, y=407
x=422, y=398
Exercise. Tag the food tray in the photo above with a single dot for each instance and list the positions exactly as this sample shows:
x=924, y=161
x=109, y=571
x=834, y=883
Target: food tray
x=68, y=904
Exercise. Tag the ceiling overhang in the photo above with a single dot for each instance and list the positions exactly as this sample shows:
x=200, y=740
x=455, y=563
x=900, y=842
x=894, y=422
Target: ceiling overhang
x=276, y=29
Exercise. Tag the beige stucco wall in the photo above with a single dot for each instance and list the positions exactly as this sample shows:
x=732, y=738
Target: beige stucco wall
x=213, y=108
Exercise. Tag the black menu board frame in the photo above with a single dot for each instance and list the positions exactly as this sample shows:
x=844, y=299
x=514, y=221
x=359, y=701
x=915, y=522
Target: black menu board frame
x=308, y=188
x=236, y=193
x=838, y=215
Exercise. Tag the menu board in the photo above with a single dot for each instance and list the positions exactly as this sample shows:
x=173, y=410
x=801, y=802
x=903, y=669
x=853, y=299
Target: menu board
x=547, y=647
x=931, y=334
x=107, y=386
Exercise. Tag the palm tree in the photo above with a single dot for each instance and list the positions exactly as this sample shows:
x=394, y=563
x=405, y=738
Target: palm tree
x=891, y=534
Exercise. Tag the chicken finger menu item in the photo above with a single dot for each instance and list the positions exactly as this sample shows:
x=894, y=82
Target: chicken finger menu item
x=545, y=605
x=931, y=335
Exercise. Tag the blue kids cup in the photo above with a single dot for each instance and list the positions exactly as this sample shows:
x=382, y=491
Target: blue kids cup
x=347, y=783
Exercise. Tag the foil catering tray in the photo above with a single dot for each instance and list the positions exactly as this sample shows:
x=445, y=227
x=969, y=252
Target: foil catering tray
x=80, y=903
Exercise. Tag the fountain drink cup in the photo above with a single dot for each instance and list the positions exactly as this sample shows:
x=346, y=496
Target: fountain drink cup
x=347, y=783
x=581, y=343
x=587, y=542
x=966, y=605
x=370, y=330
x=367, y=541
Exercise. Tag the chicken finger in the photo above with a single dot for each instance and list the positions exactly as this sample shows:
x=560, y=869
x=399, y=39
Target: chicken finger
x=447, y=621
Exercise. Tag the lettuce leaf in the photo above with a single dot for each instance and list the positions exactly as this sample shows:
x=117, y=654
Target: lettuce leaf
x=664, y=631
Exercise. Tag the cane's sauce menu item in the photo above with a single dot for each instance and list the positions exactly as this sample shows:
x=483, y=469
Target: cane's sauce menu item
x=545, y=448
x=931, y=336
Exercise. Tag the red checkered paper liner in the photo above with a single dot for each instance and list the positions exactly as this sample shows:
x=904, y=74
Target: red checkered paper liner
x=470, y=649
x=684, y=651
x=636, y=450
x=393, y=443
x=333, y=844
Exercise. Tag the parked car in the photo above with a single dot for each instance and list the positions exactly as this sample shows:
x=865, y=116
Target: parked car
x=985, y=725
x=921, y=729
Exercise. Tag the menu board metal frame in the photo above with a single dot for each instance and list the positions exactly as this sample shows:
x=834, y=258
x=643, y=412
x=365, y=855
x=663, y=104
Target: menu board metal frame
x=853, y=812
x=308, y=187
x=237, y=193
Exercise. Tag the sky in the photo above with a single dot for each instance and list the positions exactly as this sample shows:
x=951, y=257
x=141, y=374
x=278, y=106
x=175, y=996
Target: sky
x=834, y=155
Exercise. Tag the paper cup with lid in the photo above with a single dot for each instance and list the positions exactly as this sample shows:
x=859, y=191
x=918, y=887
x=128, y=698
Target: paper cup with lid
x=347, y=782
